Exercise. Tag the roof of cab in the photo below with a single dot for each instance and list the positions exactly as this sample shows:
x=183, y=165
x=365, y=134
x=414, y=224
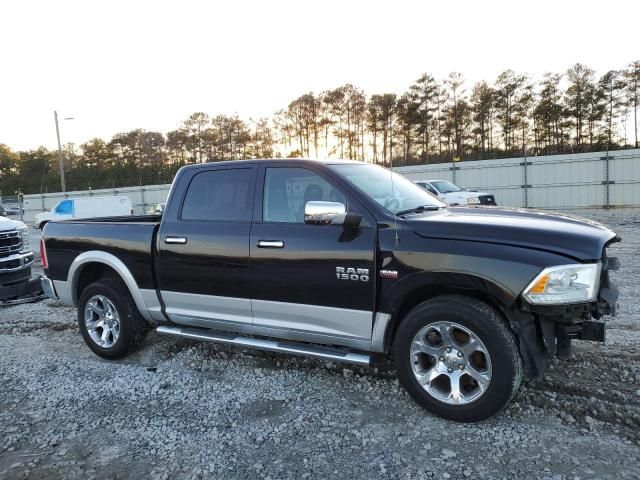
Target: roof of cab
x=326, y=161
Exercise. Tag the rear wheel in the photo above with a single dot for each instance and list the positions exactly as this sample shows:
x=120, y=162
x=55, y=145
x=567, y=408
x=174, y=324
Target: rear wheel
x=42, y=224
x=457, y=358
x=109, y=320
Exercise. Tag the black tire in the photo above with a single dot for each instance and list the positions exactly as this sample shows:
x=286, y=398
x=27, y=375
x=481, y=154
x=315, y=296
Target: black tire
x=133, y=328
x=487, y=325
x=42, y=224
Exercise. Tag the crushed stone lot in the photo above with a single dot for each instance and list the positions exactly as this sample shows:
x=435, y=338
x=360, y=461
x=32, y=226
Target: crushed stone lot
x=181, y=409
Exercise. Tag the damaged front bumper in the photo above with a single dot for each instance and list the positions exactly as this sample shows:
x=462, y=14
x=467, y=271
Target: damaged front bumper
x=545, y=331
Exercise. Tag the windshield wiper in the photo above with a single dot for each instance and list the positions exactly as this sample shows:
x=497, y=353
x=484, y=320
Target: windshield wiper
x=418, y=209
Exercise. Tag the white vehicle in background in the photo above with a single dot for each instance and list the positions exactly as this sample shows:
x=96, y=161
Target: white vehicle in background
x=156, y=209
x=452, y=194
x=86, y=207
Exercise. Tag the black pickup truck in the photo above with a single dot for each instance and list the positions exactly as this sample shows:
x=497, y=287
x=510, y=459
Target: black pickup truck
x=345, y=261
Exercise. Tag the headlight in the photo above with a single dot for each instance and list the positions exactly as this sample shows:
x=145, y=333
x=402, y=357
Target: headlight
x=26, y=240
x=564, y=284
x=473, y=200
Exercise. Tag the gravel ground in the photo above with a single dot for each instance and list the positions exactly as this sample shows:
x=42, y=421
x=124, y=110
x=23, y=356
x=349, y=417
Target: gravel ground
x=179, y=409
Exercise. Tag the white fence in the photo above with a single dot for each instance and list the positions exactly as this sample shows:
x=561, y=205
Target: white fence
x=142, y=198
x=586, y=180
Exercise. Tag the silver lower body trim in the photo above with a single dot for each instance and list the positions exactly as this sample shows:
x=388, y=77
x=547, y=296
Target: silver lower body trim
x=270, y=345
x=181, y=307
x=290, y=321
x=47, y=287
x=151, y=301
x=379, y=331
x=330, y=321
x=64, y=291
x=284, y=333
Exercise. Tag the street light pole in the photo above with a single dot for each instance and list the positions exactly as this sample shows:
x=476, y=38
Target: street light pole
x=60, y=158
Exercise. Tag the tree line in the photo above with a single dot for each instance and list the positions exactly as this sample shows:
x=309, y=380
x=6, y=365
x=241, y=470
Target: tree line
x=434, y=120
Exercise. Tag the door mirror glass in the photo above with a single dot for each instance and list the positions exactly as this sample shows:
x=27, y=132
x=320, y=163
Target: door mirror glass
x=324, y=213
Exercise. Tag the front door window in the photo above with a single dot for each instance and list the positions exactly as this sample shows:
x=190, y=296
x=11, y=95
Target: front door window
x=287, y=190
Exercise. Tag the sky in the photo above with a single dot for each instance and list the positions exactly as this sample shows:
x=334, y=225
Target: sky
x=118, y=65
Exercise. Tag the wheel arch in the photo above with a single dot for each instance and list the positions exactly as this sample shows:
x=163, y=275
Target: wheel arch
x=424, y=288
x=94, y=264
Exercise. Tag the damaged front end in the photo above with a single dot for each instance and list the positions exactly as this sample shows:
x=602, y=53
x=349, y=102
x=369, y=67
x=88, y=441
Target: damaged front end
x=545, y=331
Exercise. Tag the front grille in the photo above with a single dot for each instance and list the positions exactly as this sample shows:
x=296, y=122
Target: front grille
x=10, y=243
x=487, y=200
x=11, y=264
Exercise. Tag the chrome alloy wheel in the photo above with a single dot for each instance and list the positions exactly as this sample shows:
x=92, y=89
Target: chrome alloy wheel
x=102, y=321
x=451, y=363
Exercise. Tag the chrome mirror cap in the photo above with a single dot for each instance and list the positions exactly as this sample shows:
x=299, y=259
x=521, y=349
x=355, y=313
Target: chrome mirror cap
x=324, y=213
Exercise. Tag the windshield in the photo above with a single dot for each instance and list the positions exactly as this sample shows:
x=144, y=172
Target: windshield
x=445, y=187
x=375, y=181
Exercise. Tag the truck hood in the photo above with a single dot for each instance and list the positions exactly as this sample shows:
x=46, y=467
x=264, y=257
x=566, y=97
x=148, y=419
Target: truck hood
x=41, y=217
x=574, y=237
x=7, y=224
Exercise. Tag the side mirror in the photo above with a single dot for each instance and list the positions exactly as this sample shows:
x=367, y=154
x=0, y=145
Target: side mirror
x=324, y=213
x=329, y=213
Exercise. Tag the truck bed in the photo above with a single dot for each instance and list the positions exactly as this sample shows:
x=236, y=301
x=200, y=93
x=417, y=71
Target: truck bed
x=131, y=239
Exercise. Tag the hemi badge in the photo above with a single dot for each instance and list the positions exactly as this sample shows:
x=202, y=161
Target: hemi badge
x=389, y=273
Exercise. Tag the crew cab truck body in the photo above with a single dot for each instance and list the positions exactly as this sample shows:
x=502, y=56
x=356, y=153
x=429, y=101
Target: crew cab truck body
x=337, y=260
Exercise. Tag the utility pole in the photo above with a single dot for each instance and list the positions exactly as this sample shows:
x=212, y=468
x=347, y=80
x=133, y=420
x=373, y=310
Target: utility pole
x=60, y=158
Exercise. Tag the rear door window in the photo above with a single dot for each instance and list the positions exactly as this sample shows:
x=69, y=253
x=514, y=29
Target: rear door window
x=219, y=195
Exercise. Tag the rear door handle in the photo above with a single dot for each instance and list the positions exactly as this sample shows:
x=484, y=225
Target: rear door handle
x=175, y=240
x=271, y=244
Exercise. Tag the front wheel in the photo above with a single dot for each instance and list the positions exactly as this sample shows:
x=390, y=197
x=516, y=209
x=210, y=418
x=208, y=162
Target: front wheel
x=109, y=319
x=457, y=358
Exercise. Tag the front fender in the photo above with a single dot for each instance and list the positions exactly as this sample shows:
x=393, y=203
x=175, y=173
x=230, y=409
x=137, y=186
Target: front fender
x=500, y=271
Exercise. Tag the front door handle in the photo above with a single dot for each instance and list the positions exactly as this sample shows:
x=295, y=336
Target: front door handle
x=175, y=240
x=271, y=244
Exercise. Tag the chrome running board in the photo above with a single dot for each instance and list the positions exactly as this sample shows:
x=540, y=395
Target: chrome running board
x=302, y=349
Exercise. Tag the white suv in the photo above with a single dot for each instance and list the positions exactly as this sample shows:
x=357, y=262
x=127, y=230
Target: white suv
x=452, y=194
